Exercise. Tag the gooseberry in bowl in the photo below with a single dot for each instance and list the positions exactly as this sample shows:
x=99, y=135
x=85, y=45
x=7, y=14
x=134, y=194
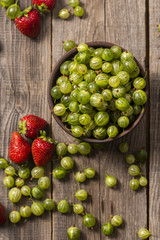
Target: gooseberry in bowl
x=98, y=83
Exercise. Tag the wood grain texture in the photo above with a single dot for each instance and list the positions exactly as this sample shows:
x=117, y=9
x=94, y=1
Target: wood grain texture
x=154, y=170
x=24, y=65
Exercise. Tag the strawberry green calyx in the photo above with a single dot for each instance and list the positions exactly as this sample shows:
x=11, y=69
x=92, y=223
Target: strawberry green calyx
x=42, y=8
x=25, y=12
x=46, y=139
x=22, y=127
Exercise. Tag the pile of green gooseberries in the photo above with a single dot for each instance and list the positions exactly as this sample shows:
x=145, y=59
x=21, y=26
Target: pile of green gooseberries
x=100, y=91
x=78, y=10
x=109, y=227
x=135, y=161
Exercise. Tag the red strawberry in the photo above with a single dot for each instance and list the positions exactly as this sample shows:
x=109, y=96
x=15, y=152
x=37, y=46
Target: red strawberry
x=42, y=149
x=2, y=215
x=44, y=5
x=29, y=22
x=31, y=125
x=19, y=149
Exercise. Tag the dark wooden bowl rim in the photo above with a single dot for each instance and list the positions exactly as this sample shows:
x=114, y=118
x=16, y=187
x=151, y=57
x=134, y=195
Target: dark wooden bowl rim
x=56, y=73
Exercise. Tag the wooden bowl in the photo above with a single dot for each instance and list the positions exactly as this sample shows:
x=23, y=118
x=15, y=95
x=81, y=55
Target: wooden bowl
x=56, y=73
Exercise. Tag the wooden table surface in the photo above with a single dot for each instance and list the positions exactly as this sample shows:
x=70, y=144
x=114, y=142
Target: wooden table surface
x=25, y=67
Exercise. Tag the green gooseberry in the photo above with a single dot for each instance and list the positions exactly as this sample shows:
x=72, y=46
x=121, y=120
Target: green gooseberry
x=91, y=125
x=59, y=109
x=64, y=14
x=67, y=163
x=107, y=94
x=15, y=195
x=128, y=97
x=101, y=119
x=107, y=229
x=8, y=181
x=135, y=73
x=37, y=172
x=74, y=3
x=3, y=163
x=66, y=87
x=25, y=211
x=13, y=11
x=73, y=119
x=128, y=112
x=74, y=95
x=123, y=122
x=24, y=172
x=143, y=181
x=59, y=173
x=69, y=44
x=117, y=51
x=139, y=83
x=63, y=206
x=134, y=170
x=87, y=133
x=84, y=119
x=84, y=148
x=143, y=233
x=114, y=81
x=128, y=87
x=89, y=221
x=77, y=131
x=123, y=147
x=90, y=51
x=86, y=108
x=61, y=79
x=14, y=217
x=72, y=67
x=89, y=172
x=96, y=100
x=118, y=91
x=134, y=184
x=65, y=100
x=26, y=191
x=122, y=104
x=125, y=56
x=137, y=109
x=80, y=177
x=49, y=204
x=79, y=11
x=106, y=67
x=10, y=171
x=117, y=67
x=139, y=97
x=129, y=66
x=81, y=195
x=110, y=181
x=64, y=68
x=130, y=159
x=102, y=80
x=72, y=148
x=61, y=149
x=82, y=47
x=6, y=3
x=124, y=77
x=37, y=208
x=73, y=233
x=112, y=131
x=37, y=192
x=141, y=155
x=56, y=93
x=107, y=55
x=44, y=182
x=95, y=63
x=83, y=85
x=97, y=52
x=78, y=208
x=82, y=57
x=90, y=76
x=19, y=182
x=116, y=220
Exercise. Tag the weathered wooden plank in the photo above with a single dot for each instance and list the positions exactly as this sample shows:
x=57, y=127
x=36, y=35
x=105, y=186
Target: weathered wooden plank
x=125, y=26
x=154, y=170
x=24, y=67
x=89, y=28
